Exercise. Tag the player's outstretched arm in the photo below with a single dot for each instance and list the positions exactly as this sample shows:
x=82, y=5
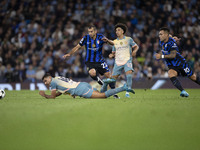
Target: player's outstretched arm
x=108, y=41
x=52, y=96
x=76, y=48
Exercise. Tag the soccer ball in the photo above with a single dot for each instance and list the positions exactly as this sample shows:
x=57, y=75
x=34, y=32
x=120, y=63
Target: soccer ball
x=2, y=94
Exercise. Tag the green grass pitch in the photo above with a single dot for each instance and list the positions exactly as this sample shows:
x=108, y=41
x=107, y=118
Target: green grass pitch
x=150, y=120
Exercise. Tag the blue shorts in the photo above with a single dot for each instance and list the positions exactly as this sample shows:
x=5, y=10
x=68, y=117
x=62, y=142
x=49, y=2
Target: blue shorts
x=117, y=70
x=84, y=90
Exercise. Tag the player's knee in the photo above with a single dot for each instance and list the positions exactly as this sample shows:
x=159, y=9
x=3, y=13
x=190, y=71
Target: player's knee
x=172, y=73
x=193, y=77
x=92, y=72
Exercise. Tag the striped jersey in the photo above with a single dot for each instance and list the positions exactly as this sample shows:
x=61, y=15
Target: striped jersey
x=169, y=46
x=93, y=48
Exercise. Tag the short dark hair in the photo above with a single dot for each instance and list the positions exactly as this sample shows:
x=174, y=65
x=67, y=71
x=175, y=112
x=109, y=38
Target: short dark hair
x=92, y=26
x=122, y=26
x=46, y=75
x=164, y=29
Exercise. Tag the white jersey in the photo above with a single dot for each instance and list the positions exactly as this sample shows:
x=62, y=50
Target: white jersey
x=123, y=50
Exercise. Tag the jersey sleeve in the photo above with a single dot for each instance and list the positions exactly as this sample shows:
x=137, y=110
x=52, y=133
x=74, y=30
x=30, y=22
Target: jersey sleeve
x=131, y=42
x=83, y=41
x=173, y=46
x=53, y=85
x=100, y=37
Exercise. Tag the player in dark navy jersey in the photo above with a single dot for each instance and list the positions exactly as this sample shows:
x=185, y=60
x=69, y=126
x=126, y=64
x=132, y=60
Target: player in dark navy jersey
x=94, y=60
x=176, y=63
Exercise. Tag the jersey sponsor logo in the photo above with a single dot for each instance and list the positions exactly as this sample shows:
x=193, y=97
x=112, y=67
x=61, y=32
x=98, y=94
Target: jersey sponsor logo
x=94, y=48
x=122, y=47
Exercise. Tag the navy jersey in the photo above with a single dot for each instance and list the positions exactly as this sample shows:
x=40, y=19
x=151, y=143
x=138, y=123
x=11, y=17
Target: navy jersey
x=93, y=48
x=169, y=46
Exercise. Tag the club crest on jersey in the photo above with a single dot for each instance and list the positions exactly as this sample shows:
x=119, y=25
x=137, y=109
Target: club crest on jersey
x=126, y=42
x=93, y=45
x=121, y=43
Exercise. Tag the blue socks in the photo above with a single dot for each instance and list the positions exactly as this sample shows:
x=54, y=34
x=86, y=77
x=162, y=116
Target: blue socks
x=129, y=80
x=114, y=91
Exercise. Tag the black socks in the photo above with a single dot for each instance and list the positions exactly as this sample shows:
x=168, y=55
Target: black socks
x=96, y=78
x=176, y=83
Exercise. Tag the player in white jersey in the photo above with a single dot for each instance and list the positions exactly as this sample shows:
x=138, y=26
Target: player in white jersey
x=62, y=85
x=124, y=50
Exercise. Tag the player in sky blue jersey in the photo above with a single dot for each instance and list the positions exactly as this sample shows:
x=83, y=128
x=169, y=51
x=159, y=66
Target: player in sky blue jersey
x=176, y=63
x=94, y=60
x=62, y=85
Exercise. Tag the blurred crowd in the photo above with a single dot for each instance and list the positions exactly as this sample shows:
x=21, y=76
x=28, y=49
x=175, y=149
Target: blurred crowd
x=35, y=34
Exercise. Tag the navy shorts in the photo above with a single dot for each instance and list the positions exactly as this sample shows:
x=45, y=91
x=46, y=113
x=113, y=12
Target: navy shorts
x=101, y=68
x=182, y=70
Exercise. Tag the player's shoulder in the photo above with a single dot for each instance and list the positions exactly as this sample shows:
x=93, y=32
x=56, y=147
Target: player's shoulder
x=127, y=37
x=115, y=40
x=54, y=81
x=87, y=35
x=100, y=35
x=171, y=41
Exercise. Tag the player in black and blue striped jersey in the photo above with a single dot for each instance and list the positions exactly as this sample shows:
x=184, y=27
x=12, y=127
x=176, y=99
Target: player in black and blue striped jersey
x=176, y=63
x=94, y=59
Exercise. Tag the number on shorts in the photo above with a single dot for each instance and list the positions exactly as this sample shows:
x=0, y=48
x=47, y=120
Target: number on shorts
x=129, y=65
x=187, y=70
x=104, y=65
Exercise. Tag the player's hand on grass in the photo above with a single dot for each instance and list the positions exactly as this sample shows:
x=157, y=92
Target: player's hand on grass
x=158, y=56
x=66, y=55
x=42, y=93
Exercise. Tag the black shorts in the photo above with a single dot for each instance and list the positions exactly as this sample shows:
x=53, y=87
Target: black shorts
x=182, y=70
x=99, y=67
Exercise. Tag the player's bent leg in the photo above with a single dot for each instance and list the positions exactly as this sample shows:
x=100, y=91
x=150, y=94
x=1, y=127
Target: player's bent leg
x=93, y=75
x=195, y=78
x=173, y=77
